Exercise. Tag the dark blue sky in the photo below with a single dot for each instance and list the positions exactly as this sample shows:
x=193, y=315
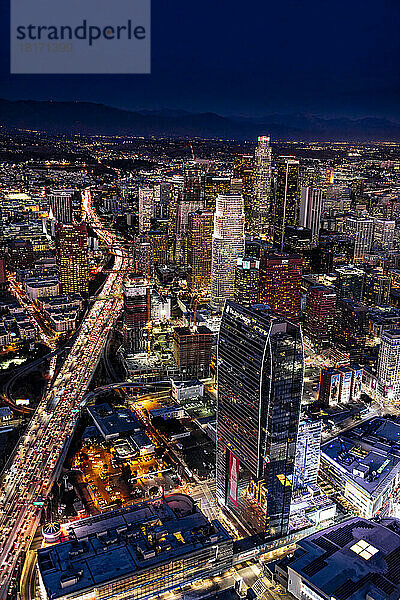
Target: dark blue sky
x=253, y=58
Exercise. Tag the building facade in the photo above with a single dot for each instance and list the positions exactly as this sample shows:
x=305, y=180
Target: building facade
x=135, y=314
x=388, y=371
x=260, y=380
x=72, y=257
x=280, y=283
x=227, y=246
x=286, y=200
x=311, y=205
x=199, y=250
x=262, y=183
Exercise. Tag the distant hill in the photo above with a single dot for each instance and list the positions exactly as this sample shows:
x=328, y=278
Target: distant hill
x=90, y=118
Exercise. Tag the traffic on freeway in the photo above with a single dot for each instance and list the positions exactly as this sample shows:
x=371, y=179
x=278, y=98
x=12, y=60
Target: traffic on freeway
x=29, y=478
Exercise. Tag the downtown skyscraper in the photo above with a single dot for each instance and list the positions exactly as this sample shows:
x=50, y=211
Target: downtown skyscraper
x=200, y=229
x=286, y=199
x=227, y=245
x=146, y=208
x=260, y=381
x=262, y=183
x=72, y=257
x=60, y=202
x=388, y=371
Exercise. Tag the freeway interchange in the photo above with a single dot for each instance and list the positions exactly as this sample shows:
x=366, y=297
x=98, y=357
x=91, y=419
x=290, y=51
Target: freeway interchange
x=30, y=476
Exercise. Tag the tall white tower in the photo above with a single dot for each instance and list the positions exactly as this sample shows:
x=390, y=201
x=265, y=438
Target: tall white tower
x=262, y=181
x=311, y=203
x=388, y=372
x=146, y=208
x=227, y=246
x=361, y=230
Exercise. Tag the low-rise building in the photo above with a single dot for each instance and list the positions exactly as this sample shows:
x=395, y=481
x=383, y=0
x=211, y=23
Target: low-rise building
x=354, y=560
x=138, y=552
x=363, y=464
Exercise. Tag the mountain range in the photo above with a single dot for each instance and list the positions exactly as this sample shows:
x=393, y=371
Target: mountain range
x=98, y=119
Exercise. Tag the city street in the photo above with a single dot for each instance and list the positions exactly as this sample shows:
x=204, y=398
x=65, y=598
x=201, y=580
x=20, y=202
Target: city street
x=30, y=476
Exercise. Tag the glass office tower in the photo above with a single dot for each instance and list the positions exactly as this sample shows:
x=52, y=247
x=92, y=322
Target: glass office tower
x=260, y=380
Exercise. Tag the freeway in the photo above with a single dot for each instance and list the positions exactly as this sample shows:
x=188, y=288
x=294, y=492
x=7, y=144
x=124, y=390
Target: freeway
x=30, y=476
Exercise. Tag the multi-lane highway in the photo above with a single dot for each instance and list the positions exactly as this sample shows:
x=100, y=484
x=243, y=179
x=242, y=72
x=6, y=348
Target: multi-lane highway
x=30, y=476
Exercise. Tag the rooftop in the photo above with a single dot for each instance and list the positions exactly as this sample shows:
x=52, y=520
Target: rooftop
x=368, y=453
x=112, y=422
x=350, y=560
x=119, y=543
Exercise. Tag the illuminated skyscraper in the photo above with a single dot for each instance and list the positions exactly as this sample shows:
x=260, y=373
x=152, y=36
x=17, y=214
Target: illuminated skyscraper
x=320, y=314
x=227, y=246
x=146, y=209
x=286, y=201
x=135, y=314
x=190, y=201
x=388, y=372
x=361, y=231
x=280, y=283
x=60, y=202
x=200, y=230
x=260, y=380
x=192, y=350
x=384, y=234
x=351, y=326
x=262, y=183
x=213, y=186
x=247, y=275
x=72, y=257
x=244, y=169
x=307, y=454
x=311, y=204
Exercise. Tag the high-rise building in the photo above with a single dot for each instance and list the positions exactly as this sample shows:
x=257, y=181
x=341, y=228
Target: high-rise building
x=72, y=257
x=376, y=290
x=351, y=328
x=280, y=283
x=243, y=169
x=388, y=371
x=262, y=183
x=60, y=202
x=349, y=282
x=162, y=195
x=384, y=234
x=247, y=275
x=192, y=350
x=311, y=204
x=227, y=246
x=320, y=314
x=135, y=314
x=286, y=200
x=213, y=186
x=184, y=209
x=329, y=387
x=339, y=385
x=308, y=447
x=298, y=240
x=200, y=230
x=361, y=231
x=146, y=209
x=260, y=380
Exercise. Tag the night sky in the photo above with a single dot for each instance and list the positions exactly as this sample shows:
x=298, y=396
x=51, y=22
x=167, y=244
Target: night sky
x=251, y=58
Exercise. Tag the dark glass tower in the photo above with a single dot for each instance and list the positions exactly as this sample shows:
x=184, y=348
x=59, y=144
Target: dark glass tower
x=260, y=380
x=286, y=206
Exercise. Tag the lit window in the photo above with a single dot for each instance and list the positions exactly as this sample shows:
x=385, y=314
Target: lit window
x=364, y=549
